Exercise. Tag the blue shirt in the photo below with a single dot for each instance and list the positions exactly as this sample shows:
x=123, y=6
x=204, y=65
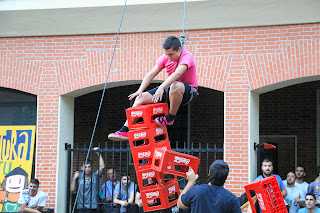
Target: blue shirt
x=304, y=210
x=125, y=194
x=279, y=180
x=107, y=190
x=280, y=183
x=206, y=198
x=88, y=189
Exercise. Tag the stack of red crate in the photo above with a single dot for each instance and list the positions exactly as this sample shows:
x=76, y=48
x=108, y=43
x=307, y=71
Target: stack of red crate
x=157, y=180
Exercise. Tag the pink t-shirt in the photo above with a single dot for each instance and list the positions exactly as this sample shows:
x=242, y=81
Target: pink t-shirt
x=189, y=76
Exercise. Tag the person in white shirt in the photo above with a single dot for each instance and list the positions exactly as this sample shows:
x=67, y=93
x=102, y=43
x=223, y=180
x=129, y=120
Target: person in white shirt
x=295, y=195
x=32, y=199
x=300, y=175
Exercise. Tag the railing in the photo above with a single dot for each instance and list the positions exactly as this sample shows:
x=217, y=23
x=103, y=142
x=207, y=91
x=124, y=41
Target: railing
x=117, y=156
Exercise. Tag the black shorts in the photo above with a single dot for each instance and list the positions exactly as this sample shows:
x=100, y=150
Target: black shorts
x=190, y=94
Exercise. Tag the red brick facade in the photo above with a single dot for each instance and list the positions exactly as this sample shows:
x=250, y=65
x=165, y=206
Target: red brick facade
x=233, y=61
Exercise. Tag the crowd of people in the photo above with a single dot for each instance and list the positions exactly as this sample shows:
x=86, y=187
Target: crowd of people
x=120, y=194
x=298, y=195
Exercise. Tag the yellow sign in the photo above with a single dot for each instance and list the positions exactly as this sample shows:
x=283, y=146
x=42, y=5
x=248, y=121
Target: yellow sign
x=16, y=157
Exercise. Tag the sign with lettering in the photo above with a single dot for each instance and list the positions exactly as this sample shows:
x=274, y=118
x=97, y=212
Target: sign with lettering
x=16, y=157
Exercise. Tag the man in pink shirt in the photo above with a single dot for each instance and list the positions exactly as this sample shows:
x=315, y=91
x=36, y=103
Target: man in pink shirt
x=179, y=88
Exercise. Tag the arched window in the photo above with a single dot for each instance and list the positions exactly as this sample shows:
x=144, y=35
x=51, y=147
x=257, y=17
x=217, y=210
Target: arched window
x=17, y=108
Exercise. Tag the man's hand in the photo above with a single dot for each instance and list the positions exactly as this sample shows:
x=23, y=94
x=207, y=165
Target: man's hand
x=76, y=175
x=96, y=149
x=124, y=203
x=191, y=176
x=297, y=200
x=136, y=94
x=139, y=203
x=158, y=95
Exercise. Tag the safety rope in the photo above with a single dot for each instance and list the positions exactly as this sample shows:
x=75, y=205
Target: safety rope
x=182, y=37
x=103, y=93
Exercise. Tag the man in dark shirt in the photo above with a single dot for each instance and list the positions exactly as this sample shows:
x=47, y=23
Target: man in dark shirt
x=212, y=196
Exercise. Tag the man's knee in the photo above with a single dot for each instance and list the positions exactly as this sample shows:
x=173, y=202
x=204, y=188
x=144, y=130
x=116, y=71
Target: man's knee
x=177, y=88
x=145, y=98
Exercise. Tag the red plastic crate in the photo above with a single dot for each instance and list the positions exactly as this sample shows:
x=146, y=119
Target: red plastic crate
x=147, y=113
x=150, y=179
x=175, y=163
x=161, y=198
x=142, y=158
x=268, y=195
x=172, y=192
x=143, y=143
x=148, y=137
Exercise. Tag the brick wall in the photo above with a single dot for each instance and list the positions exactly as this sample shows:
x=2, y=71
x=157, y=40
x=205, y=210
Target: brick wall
x=293, y=111
x=230, y=60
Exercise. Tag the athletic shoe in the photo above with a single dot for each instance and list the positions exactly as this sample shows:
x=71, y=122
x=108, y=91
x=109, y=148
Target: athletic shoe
x=162, y=121
x=118, y=136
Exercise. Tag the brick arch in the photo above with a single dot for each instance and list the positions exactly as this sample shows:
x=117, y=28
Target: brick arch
x=19, y=74
x=297, y=59
x=97, y=87
x=26, y=92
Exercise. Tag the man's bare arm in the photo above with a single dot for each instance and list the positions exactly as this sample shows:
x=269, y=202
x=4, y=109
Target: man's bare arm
x=145, y=82
x=284, y=192
x=24, y=208
x=192, y=178
x=101, y=162
x=174, y=76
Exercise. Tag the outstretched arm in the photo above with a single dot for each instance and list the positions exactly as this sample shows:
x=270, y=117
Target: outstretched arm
x=171, y=79
x=174, y=76
x=101, y=162
x=192, y=178
x=145, y=82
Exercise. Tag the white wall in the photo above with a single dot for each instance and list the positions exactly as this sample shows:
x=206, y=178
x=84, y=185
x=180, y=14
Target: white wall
x=65, y=134
x=70, y=17
x=253, y=133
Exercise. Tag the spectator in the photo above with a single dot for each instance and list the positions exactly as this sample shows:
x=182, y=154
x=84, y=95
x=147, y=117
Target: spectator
x=124, y=192
x=107, y=191
x=87, y=199
x=32, y=199
x=311, y=204
x=295, y=195
x=212, y=196
x=300, y=175
x=314, y=187
x=267, y=171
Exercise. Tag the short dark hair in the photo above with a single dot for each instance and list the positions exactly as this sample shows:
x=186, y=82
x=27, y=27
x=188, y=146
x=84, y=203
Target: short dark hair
x=88, y=162
x=124, y=174
x=304, y=169
x=311, y=195
x=171, y=42
x=219, y=171
x=34, y=181
x=318, y=171
x=265, y=160
x=292, y=172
